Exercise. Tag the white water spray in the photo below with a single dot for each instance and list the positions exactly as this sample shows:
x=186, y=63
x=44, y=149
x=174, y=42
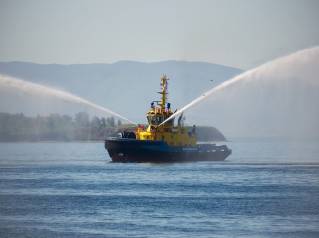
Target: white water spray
x=33, y=88
x=284, y=75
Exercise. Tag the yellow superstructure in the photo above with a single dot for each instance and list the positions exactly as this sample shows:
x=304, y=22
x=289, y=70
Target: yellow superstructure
x=161, y=110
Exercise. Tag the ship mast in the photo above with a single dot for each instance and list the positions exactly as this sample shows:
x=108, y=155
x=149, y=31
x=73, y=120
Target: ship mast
x=164, y=93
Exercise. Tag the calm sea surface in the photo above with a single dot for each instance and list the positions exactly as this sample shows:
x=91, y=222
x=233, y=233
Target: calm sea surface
x=266, y=188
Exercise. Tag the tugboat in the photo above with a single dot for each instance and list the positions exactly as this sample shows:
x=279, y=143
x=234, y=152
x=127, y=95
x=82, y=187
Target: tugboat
x=164, y=143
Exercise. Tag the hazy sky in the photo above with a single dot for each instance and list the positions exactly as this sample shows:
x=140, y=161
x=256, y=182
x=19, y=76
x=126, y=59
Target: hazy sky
x=243, y=34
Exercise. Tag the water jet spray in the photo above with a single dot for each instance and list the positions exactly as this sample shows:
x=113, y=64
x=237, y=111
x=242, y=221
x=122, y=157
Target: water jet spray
x=30, y=87
x=302, y=55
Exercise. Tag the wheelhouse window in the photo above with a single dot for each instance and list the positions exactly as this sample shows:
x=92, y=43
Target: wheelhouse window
x=155, y=120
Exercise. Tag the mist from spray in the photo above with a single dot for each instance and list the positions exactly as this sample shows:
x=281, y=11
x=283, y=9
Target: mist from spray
x=280, y=96
x=38, y=89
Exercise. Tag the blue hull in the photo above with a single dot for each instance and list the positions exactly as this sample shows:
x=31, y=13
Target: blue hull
x=132, y=150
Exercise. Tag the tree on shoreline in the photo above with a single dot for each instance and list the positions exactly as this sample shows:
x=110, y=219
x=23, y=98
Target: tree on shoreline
x=18, y=127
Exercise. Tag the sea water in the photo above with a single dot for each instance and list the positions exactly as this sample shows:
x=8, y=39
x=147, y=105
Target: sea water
x=266, y=188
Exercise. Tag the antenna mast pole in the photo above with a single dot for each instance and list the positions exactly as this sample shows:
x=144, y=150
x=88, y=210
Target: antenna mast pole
x=164, y=93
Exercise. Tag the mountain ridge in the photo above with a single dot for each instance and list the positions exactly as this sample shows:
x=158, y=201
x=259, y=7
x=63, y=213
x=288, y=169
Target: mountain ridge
x=120, y=84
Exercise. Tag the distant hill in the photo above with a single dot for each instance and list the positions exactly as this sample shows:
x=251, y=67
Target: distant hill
x=126, y=87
